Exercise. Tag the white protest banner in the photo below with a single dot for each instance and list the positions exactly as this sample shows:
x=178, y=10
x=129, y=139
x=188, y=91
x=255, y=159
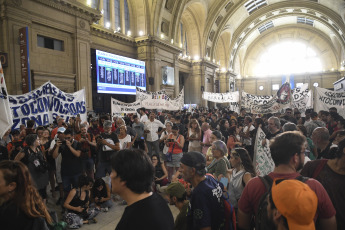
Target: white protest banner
x=160, y=100
x=45, y=103
x=232, y=97
x=326, y=99
x=263, y=161
x=268, y=104
x=119, y=107
x=6, y=120
x=302, y=98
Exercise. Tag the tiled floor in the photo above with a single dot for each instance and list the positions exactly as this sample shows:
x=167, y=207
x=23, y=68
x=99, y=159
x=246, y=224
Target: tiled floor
x=105, y=220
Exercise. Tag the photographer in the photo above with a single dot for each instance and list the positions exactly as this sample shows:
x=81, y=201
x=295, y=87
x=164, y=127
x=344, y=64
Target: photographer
x=87, y=140
x=108, y=144
x=33, y=158
x=71, y=167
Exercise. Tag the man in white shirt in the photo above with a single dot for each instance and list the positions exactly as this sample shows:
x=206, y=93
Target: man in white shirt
x=143, y=116
x=247, y=140
x=151, y=130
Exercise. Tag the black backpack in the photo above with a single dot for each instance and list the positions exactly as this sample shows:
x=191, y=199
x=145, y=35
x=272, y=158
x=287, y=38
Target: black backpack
x=261, y=214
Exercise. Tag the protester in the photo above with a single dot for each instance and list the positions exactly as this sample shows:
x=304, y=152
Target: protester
x=139, y=128
x=60, y=123
x=21, y=206
x=287, y=150
x=87, y=141
x=240, y=174
x=206, y=208
x=101, y=195
x=331, y=174
x=131, y=178
x=292, y=205
x=320, y=138
x=71, y=167
x=215, y=136
x=194, y=136
x=152, y=134
x=161, y=173
x=15, y=146
x=124, y=138
x=220, y=164
x=175, y=142
x=178, y=196
x=313, y=124
x=77, y=204
x=206, y=141
x=108, y=144
x=35, y=161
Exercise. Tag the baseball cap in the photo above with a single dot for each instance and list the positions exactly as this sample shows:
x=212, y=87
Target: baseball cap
x=296, y=202
x=194, y=159
x=175, y=189
x=61, y=130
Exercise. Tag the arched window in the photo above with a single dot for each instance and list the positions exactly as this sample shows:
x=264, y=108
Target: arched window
x=127, y=23
x=287, y=58
x=117, y=14
x=106, y=13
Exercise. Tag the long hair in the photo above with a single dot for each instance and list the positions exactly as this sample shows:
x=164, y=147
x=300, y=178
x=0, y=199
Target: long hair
x=192, y=121
x=247, y=163
x=25, y=196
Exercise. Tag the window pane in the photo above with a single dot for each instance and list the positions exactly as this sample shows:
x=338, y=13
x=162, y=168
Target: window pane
x=106, y=13
x=40, y=41
x=127, y=25
x=117, y=14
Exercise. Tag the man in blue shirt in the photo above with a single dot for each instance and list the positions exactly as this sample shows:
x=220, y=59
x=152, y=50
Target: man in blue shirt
x=206, y=210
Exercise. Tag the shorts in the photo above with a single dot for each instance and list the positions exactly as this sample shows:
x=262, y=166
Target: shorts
x=176, y=160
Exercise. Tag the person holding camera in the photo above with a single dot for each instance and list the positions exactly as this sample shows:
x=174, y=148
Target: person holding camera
x=108, y=144
x=34, y=159
x=71, y=167
x=175, y=142
x=86, y=140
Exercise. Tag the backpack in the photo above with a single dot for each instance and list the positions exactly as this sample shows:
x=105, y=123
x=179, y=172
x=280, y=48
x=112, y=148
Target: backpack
x=229, y=212
x=261, y=214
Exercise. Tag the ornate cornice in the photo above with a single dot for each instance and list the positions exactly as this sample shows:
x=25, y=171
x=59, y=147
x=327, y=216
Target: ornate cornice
x=74, y=8
x=153, y=40
x=108, y=34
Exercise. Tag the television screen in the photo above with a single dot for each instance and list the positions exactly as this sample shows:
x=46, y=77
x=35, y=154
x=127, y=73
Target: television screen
x=119, y=75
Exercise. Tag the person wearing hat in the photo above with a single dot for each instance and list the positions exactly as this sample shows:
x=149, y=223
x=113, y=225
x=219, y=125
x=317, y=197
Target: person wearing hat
x=205, y=210
x=93, y=129
x=292, y=204
x=59, y=136
x=109, y=144
x=177, y=196
x=71, y=166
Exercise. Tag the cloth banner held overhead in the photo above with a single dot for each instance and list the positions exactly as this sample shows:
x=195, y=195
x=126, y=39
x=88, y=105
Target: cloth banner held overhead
x=326, y=99
x=302, y=99
x=6, y=120
x=263, y=161
x=232, y=97
x=268, y=104
x=119, y=107
x=160, y=100
x=45, y=103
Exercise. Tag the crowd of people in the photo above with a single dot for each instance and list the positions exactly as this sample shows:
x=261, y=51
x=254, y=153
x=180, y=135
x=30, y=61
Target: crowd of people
x=190, y=158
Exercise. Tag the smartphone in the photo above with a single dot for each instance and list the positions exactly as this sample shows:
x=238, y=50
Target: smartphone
x=142, y=138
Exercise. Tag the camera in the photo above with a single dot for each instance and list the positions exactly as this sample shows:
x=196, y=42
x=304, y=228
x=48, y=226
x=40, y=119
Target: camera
x=171, y=140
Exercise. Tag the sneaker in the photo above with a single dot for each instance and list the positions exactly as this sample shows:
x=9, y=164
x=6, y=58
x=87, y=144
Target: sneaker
x=104, y=209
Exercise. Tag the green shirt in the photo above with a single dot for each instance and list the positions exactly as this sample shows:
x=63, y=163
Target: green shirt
x=181, y=219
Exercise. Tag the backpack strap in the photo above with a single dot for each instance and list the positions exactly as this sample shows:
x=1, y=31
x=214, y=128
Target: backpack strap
x=319, y=167
x=267, y=181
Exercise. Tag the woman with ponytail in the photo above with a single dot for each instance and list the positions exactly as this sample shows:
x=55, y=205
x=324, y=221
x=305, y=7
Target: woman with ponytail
x=21, y=206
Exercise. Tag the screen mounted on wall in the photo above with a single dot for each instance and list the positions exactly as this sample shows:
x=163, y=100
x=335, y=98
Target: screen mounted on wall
x=119, y=75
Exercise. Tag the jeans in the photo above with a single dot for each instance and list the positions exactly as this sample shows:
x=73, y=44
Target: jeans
x=67, y=181
x=102, y=169
x=139, y=144
x=153, y=146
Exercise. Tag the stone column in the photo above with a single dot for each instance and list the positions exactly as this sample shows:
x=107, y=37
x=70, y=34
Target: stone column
x=122, y=17
x=101, y=21
x=176, y=77
x=83, y=59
